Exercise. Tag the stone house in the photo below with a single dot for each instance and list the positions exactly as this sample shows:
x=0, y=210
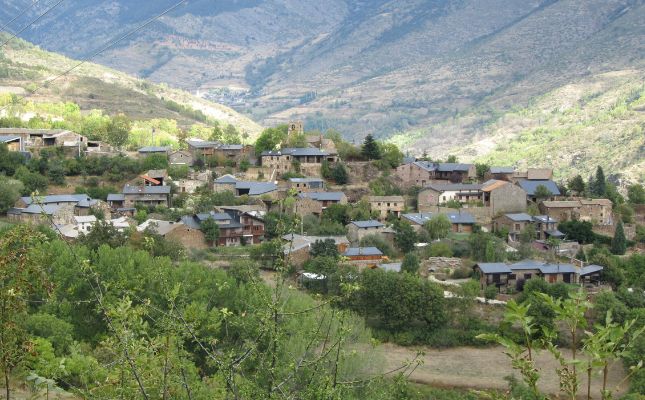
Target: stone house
x=306, y=184
x=150, y=150
x=530, y=187
x=386, y=205
x=503, y=197
x=150, y=196
x=298, y=247
x=356, y=230
x=35, y=139
x=60, y=208
x=364, y=257
x=422, y=173
x=177, y=232
x=13, y=143
x=506, y=276
x=533, y=174
x=256, y=189
x=515, y=223
x=500, y=173
x=180, y=157
x=462, y=221
x=305, y=160
x=235, y=228
x=543, y=225
x=436, y=194
x=597, y=211
x=314, y=203
x=225, y=183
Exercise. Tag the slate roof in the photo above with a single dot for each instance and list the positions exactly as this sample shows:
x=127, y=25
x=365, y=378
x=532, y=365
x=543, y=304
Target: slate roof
x=322, y=196
x=257, y=188
x=557, y=268
x=590, y=269
x=127, y=189
x=531, y=186
x=395, y=199
x=562, y=204
x=154, y=149
x=461, y=218
x=115, y=197
x=442, y=167
x=545, y=219
x=162, y=227
x=306, y=180
x=5, y=139
x=449, y=187
x=527, y=264
x=300, y=151
x=231, y=147
x=519, y=217
x=202, y=144
x=82, y=219
x=418, y=218
x=362, y=251
x=58, y=198
x=367, y=224
x=215, y=216
x=226, y=179
x=502, y=170
x=556, y=234
x=191, y=222
x=494, y=268
x=48, y=209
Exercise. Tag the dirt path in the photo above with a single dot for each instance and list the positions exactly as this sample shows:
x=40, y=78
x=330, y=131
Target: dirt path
x=482, y=368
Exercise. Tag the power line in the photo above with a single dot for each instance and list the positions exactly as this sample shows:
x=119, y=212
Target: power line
x=5, y=26
x=50, y=9
x=101, y=50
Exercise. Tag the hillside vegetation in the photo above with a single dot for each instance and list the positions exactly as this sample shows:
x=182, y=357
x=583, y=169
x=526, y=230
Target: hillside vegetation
x=24, y=67
x=599, y=120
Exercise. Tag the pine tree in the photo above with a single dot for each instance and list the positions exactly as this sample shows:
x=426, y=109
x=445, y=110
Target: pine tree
x=577, y=184
x=340, y=174
x=619, y=242
x=371, y=149
x=598, y=186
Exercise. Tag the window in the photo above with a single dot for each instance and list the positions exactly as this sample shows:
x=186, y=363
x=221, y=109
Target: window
x=528, y=276
x=517, y=227
x=388, y=204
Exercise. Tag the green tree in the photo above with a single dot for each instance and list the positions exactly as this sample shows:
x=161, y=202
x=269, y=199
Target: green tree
x=217, y=134
x=580, y=231
x=340, y=175
x=10, y=193
x=391, y=155
x=619, y=242
x=118, y=131
x=482, y=170
x=410, y=263
x=636, y=194
x=577, y=185
x=452, y=159
x=211, y=231
x=9, y=160
x=324, y=248
x=271, y=139
x=598, y=185
x=21, y=276
x=32, y=181
x=438, y=226
x=404, y=237
x=231, y=135
x=371, y=149
x=542, y=193
x=155, y=161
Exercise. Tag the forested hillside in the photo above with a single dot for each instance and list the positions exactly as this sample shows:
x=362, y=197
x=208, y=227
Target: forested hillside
x=25, y=69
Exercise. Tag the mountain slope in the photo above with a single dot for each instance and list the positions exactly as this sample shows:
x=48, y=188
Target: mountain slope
x=23, y=67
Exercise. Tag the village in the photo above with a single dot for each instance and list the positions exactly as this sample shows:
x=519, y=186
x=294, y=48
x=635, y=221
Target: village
x=428, y=211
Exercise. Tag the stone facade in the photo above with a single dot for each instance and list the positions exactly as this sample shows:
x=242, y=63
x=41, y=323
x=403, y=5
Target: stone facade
x=180, y=157
x=386, y=205
x=422, y=173
x=596, y=211
x=504, y=198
